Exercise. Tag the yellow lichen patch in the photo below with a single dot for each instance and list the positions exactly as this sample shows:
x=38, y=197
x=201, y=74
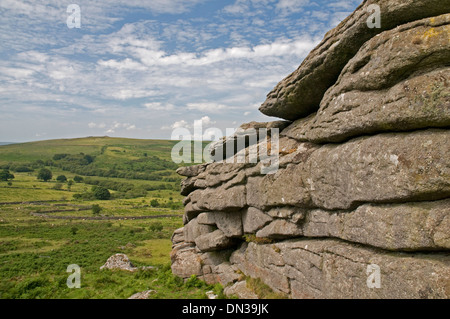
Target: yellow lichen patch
x=430, y=33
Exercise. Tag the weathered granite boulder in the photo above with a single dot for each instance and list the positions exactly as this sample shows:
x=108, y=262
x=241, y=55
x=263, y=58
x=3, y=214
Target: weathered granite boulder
x=395, y=167
x=335, y=269
x=300, y=93
x=230, y=223
x=416, y=226
x=120, y=262
x=193, y=230
x=253, y=220
x=246, y=135
x=398, y=81
x=186, y=261
x=356, y=203
x=279, y=229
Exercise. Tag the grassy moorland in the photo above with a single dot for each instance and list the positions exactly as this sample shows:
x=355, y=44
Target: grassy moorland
x=45, y=226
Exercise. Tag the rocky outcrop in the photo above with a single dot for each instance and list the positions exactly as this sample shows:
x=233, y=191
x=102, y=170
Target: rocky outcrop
x=398, y=81
x=301, y=92
x=359, y=203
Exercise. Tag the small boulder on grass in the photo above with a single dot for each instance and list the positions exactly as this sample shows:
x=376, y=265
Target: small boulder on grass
x=143, y=295
x=121, y=261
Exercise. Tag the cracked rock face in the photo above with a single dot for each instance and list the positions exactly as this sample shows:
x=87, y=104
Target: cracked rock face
x=359, y=203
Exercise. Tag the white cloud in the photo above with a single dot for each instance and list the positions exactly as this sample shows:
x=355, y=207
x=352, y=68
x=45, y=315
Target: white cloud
x=206, y=107
x=126, y=64
x=112, y=127
x=205, y=121
x=154, y=72
x=180, y=124
x=16, y=72
x=291, y=6
x=152, y=58
x=158, y=106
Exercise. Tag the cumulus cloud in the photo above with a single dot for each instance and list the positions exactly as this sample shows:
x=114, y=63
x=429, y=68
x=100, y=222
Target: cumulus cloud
x=112, y=127
x=291, y=6
x=151, y=71
x=207, y=107
x=158, y=106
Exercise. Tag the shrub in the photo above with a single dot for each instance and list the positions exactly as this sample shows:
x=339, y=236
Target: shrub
x=193, y=281
x=78, y=179
x=96, y=209
x=44, y=174
x=58, y=157
x=101, y=193
x=154, y=203
x=74, y=230
x=61, y=178
x=21, y=169
x=5, y=175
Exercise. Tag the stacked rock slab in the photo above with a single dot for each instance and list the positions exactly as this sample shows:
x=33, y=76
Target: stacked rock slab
x=359, y=206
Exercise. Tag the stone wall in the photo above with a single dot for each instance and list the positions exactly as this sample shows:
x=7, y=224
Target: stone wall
x=363, y=181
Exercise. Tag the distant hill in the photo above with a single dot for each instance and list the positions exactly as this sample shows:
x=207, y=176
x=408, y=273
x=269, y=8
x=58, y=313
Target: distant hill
x=6, y=143
x=95, y=146
x=96, y=156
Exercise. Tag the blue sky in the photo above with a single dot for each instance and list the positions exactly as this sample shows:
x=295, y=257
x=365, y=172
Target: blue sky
x=143, y=68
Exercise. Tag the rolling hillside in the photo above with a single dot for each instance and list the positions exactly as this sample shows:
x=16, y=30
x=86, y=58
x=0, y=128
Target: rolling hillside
x=47, y=225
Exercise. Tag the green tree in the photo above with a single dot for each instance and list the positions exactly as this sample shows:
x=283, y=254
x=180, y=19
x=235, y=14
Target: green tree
x=78, y=179
x=154, y=203
x=61, y=178
x=44, y=174
x=74, y=230
x=101, y=193
x=5, y=175
x=69, y=185
x=96, y=209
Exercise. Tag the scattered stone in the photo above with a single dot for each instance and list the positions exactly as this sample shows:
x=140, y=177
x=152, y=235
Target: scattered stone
x=240, y=290
x=119, y=261
x=211, y=295
x=143, y=295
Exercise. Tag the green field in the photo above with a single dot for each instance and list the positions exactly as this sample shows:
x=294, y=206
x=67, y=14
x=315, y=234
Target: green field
x=47, y=226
